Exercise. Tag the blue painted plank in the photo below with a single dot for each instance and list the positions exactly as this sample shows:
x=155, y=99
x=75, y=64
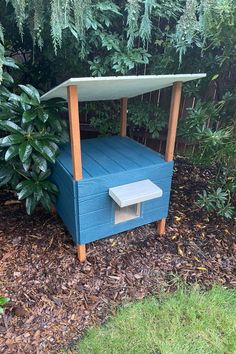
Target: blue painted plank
x=65, y=159
x=96, y=202
x=143, y=150
x=103, y=216
x=132, y=154
x=91, y=167
x=91, y=148
x=114, y=155
x=98, y=210
x=103, y=201
x=99, y=232
x=65, y=205
x=101, y=156
x=103, y=183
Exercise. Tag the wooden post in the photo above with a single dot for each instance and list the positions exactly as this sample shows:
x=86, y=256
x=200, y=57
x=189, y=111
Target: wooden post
x=73, y=107
x=171, y=137
x=161, y=227
x=123, y=115
x=173, y=120
x=74, y=131
x=81, y=252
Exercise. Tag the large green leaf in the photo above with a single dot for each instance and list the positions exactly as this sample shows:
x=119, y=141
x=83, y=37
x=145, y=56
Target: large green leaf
x=26, y=102
x=46, y=201
x=10, y=62
x=11, y=110
x=15, y=98
x=7, y=78
x=29, y=116
x=30, y=204
x=12, y=140
x=23, y=99
x=40, y=162
x=44, y=150
x=48, y=138
x=11, y=127
x=32, y=92
x=42, y=114
x=26, y=165
x=22, y=184
x=44, y=175
x=11, y=152
x=27, y=190
x=49, y=187
x=6, y=173
x=25, y=150
x=38, y=191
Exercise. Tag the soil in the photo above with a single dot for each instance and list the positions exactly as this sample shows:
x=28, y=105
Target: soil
x=54, y=299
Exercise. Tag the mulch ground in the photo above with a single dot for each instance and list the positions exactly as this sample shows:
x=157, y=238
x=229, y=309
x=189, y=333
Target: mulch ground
x=54, y=298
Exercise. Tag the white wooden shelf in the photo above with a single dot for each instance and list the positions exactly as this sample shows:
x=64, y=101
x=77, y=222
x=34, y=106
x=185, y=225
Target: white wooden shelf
x=133, y=193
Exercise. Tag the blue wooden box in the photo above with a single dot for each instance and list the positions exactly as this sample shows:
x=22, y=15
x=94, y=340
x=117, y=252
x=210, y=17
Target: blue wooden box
x=85, y=206
x=113, y=184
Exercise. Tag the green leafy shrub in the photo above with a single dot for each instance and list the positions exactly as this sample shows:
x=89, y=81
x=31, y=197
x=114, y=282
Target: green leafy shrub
x=216, y=201
x=212, y=130
x=31, y=131
x=147, y=117
x=141, y=117
x=104, y=117
x=3, y=301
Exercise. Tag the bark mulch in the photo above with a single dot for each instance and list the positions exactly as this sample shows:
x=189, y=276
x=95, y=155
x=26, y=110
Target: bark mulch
x=54, y=298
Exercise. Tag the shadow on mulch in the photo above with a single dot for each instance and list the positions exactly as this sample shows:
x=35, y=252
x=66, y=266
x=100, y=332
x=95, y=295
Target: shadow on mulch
x=54, y=298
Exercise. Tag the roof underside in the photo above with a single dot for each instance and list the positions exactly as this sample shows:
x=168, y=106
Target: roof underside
x=116, y=87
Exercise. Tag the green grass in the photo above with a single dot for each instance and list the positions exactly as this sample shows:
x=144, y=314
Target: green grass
x=185, y=322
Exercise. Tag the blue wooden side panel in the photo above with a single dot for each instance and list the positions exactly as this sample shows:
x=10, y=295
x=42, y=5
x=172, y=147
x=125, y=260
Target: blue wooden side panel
x=85, y=206
x=66, y=201
x=97, y=209
x=101, y=184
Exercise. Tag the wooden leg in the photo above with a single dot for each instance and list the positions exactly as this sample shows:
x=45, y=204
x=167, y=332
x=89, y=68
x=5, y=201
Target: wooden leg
x=161, y=227
x=81, y=253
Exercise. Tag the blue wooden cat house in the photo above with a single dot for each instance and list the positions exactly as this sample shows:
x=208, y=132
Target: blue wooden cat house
x=112, y=184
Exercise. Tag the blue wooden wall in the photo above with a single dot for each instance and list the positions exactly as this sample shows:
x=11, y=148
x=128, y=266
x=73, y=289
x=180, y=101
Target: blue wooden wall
x=86, y=207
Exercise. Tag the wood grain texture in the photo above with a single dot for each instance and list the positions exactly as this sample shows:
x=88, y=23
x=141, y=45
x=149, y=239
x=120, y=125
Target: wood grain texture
x=107, y=155
x=123, y=116
x=173, y=120
x=161, y=227
x=81, y=253
x=73, y=107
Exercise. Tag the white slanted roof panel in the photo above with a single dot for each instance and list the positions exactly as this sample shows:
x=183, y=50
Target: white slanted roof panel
x=133, y=193
x=116, y=87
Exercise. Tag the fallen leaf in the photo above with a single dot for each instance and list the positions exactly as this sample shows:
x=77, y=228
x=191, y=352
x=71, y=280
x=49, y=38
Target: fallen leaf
x=180, y=250
x=201, y=268
x=12, y=202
